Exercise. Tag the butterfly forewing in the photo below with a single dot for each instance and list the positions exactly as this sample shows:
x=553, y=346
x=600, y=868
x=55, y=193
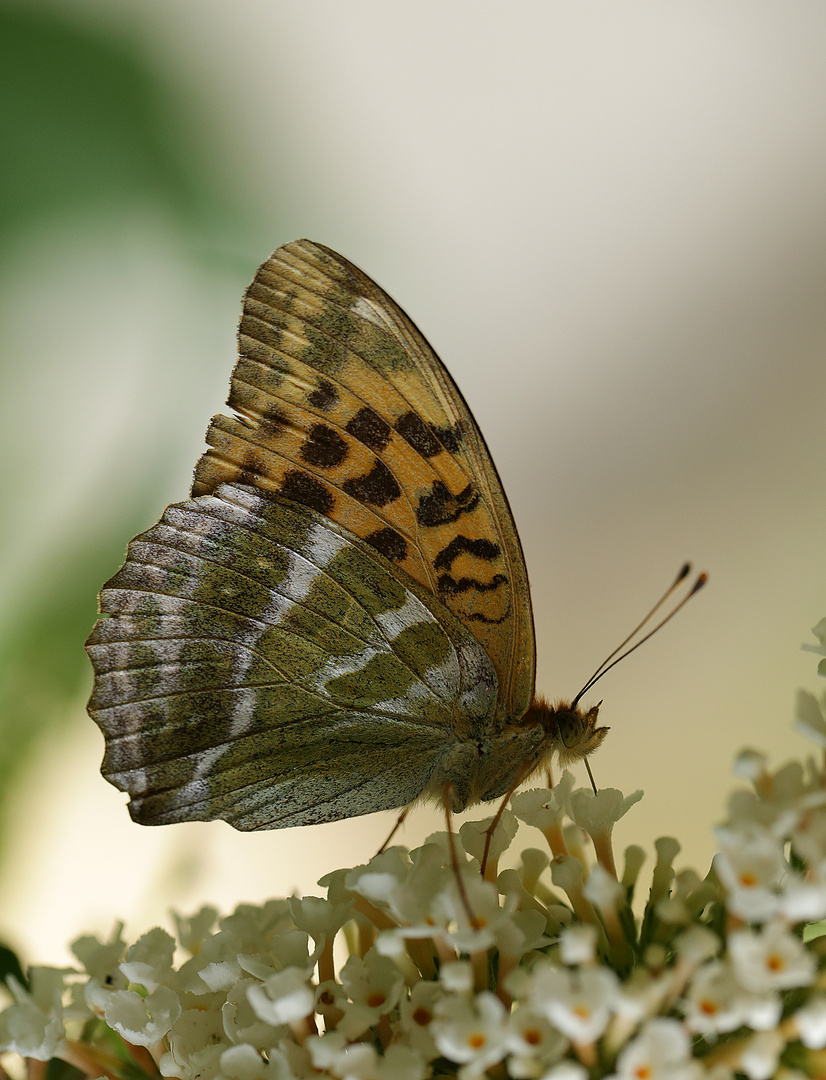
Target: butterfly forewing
x=343, y=406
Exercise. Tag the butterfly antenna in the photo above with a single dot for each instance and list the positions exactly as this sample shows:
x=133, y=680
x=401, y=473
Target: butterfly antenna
x=612, y=658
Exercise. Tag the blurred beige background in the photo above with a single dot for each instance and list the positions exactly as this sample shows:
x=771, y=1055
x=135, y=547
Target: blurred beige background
x=609, y=220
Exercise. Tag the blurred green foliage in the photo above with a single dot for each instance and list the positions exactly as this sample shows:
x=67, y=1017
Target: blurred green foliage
x=88, y=122
x=10, y=965
x=88, y=125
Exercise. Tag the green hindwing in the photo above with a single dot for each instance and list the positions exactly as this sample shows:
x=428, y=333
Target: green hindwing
x=258, y=663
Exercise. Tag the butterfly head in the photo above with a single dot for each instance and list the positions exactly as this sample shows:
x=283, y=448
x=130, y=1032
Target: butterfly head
x=571, y=732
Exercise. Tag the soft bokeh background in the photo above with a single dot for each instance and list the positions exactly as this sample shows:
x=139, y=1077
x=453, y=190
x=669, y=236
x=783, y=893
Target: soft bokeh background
x=610, y=222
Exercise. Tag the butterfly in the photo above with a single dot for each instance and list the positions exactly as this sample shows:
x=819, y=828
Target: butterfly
x=338, y=620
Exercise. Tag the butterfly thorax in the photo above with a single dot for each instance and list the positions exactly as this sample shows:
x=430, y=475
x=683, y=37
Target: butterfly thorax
x=487, y=762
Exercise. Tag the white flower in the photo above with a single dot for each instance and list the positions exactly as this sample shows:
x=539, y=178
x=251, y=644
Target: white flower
x=242, y=1062
x=642, y=995
x=534, y=861
x=457, y=976
x=578, y=1002
x=603, y=890
x=396, y=1063
x=598, y=814
x=416, y=1015
x=333, y=1056
x=750, y=764
x=667, y=848
x=449, y=913
x=330, y=1001
x=377, y=880
x=474, y=836
x=810, y=1021
x=287, y=949
x=810, y=719
x=149, y=961
x=750, y=864
x=760, y=1055
x=661, y=1051
x=251, y=924
x=290, y=1061
x=528, y=932
x=819, y=632
x=193, y=930
x=142, y=1020
x=762, y=1011
x=544, y=808
x=566, y=874
x=33, y=1025
x=696, y=944
x=214, y=968
x=410, y=898
x=577, y=944
x=531, y=1042
x=808, y=838
x=196, y=1041
x=634, y=860
x=471, y=1031
x=566, y=1070
x=101, y=961
x=770, y=959
x=318, y=917
x=240, y=1022
x=282, y=998
x=715, y=1001
x=373, y=985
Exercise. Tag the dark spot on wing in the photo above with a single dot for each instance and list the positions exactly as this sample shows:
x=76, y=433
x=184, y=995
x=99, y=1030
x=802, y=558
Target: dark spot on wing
x=377, y=488
x=324, y=396
x=439, y=507
x=369, y=429
x=480, y=549
x=449, y=435
x=305, y=489
x=323, y=447
x=448, y=585
x=412, y=428
x=389, y=543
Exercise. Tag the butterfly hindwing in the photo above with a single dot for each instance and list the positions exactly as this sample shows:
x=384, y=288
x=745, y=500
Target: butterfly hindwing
x=259, y=663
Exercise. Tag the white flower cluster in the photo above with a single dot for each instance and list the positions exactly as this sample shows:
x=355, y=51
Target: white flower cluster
x=540, y=972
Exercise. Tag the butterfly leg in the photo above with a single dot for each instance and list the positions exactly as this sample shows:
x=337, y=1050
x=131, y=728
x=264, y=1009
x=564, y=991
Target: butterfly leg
x=449, y=795
x=525, y=771
x=399, y=822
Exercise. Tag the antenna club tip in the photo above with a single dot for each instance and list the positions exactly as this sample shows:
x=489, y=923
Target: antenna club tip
x=685, y=570
x=700, y=582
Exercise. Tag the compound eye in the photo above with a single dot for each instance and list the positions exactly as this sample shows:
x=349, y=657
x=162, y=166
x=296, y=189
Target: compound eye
x=569, y=726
